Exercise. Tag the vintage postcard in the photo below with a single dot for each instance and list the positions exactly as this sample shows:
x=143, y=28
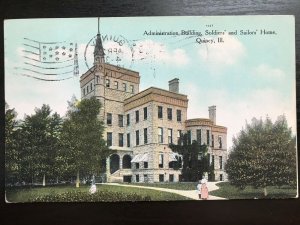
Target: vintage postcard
x=150, y=109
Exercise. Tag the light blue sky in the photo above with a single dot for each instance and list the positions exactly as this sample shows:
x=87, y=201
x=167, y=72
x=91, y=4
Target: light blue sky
x=246, y=76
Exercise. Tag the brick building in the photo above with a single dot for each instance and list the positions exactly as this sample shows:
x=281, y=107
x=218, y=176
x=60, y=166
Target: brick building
x=141, y=125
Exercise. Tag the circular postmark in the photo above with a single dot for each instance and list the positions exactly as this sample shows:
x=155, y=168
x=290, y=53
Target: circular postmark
x=117, y=49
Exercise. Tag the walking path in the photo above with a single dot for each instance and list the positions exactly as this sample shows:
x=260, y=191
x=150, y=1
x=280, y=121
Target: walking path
x=187, y=193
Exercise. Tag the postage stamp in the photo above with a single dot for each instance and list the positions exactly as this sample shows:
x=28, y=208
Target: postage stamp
x=150, y=109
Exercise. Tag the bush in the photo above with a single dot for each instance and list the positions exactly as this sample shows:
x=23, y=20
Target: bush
x=99, y=196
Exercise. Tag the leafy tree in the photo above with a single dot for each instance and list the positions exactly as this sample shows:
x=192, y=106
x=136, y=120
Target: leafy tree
x=82, y=145
x=263, y=154
x=12, y=157
x=38, y=144
x=194, y=158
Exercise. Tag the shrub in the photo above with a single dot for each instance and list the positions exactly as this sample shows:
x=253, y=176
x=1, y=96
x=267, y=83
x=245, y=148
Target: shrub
x=99, y=196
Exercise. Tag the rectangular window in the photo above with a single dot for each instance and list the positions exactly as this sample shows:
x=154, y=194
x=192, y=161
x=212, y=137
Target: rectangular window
x=213, y=161
x=87, y=89
x=137, y=165
x=83, y=91
x=220, y=141
x=107, y=83
x=145, y=178
x=121, y=140
x=208, y=157
x=221, y=177
x=169, y=112
x=132, y=89
x=97, y=79
x=189, y=137
x=91, y=86
x=212, y=141
x=161, y=178
x=120, y=119
x=137, y=178
x=145, y=165
x=160, y=135
x=124, y=87
x=137, y=116
x=221, y=162
x=161, y=160
x=145, y=113
x=137, y=137
x=198, y=134
x=179, y=133
x=171, y=178
x=170, y=136
x=207, y=138
x=178, y=113
x=116, y=85
x=128, y=140
x=108, y=118
x=145, y=136
x=128, y=119
x=160, y=112
x=109, y=139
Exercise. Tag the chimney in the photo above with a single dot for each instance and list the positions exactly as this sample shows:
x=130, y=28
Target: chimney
x=174, y=85
x=212, y=113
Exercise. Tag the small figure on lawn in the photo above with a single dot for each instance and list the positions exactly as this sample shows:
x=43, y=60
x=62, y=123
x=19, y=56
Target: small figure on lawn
x=93, y=188
x=199, y=189
x=204, y=189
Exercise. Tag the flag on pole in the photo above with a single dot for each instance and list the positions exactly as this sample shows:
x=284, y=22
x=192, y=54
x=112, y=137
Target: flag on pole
x=49, y=61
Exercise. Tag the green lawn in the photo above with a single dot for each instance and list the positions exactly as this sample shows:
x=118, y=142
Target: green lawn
x=230, y=192
x=177, y=186
x=26, y=194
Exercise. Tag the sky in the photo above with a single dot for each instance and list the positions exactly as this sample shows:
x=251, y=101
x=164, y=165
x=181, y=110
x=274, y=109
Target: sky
x=222, y=61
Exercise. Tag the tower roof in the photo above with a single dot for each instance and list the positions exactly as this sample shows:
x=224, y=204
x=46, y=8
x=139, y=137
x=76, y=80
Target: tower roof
x=98, y=50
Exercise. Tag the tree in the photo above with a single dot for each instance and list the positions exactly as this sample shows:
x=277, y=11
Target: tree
x=82, y=145
x=11, y=152
x=38, y=144
x=263, y=154
x=194, y=158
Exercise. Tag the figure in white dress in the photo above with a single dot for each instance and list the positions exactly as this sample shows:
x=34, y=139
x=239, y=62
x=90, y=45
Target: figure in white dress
x=93, y=188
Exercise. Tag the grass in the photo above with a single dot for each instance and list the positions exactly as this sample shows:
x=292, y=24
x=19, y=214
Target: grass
x=177, y=186
x=26, y=194
x=230, y=192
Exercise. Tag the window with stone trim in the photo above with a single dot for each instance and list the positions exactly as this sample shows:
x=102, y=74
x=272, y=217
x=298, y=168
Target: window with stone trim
x=107, y=83
x=128, y=140
x=97, y=78
x=137, y=116
x=160, y=135
x=178, y=114
x=220, y=141
x=161, y=160
x=87, y=89
x=198, y=136
x=128, y=119
x=170, y=136
x=91, y=86
x=145, y=113
x=145, y=165
x=212, y=141
x=137, y=178
x=137, y=137
x=171, y=177
x=116, y=85
x=132, y=89
x=137, y=165
x=109, y=119
x=189, y=134
x=160, y=112
x=145, y=178
x=83, y=91
x=213, y=161
x=179, y=133
x=120, y=120
x=169, y=112
x=109, y=138
x=145, y=135
x=161, y=178
x=221, y=162
x=207, y=137
x=124, y=87
x=121, y=136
